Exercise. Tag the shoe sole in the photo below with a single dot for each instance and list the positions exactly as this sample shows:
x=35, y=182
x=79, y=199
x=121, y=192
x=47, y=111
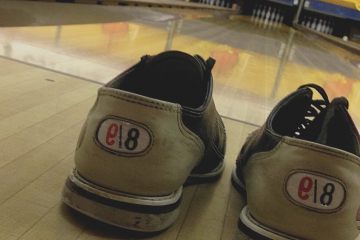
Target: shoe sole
x=249, y=225
x=131, y=212
x=258, y=231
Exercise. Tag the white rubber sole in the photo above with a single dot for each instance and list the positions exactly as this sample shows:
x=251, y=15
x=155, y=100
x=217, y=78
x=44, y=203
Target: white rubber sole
x=136, y=213
x=258, y=228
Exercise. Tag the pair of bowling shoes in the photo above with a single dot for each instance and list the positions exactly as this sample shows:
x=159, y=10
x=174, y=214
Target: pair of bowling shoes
x=155, y=128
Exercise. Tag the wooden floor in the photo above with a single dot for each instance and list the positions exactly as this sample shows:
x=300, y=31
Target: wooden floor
x=49, y=78
x=258, y=63
x=41, y=115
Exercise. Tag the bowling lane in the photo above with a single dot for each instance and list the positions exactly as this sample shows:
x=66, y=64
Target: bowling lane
x=258, y=62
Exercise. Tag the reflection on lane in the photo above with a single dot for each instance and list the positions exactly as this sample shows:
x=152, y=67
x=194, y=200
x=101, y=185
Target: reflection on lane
x=256, y=64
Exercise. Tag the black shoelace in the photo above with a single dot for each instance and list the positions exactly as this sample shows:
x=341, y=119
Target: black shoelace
x=316, y=107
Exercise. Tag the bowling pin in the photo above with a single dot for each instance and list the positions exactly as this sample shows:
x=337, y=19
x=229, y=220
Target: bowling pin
x=303, y=22
x=272, y=18
x=273, y=14
x=253, y=13
x=281, y=19
x=319, y=25
x=323, y=27
x=277, y=19
x=267, y=16
x=327, y=27
x=263, y=13
x=258, y=13
x=261, y=16
x=313, y=25
x=308, y=22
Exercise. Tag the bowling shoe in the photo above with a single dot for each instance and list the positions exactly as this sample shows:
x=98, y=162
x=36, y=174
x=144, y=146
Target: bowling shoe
x=300, y=172
x=151, y=130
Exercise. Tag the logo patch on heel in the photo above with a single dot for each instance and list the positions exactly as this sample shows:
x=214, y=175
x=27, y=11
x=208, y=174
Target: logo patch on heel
x=123, y=136
x=315, y=191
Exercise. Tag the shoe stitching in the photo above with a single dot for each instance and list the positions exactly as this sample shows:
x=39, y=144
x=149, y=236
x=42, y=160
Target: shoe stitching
x=263, y=155
x=189, y=134
x=215, y=148
x=137, y=100
x=222, y=130
x=321, y=149
x=216, y=151
x=316, y=148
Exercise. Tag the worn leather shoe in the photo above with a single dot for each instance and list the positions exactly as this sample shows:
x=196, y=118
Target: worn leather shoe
x=301, y=171
x=151, y=130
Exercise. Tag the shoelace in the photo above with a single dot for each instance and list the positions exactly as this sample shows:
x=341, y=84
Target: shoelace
x=315, y=108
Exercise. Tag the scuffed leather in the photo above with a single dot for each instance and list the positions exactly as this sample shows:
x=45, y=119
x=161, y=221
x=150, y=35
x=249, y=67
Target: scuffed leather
x=162, y=170
x=266, y=173
x=208, y=125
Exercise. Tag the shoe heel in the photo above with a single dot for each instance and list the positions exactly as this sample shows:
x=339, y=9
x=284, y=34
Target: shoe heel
x=252, y=228
x=134, y=213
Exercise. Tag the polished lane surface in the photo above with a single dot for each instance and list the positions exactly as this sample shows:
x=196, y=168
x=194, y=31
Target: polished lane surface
x=41, y=111
x=258, y=62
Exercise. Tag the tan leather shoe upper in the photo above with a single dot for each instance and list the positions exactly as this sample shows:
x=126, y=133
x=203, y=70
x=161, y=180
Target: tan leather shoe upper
x=153, y=127
x=301, y=171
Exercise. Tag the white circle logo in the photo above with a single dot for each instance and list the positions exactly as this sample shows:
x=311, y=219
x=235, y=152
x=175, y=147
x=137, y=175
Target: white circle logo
x=315, y=190
x=123, y=136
